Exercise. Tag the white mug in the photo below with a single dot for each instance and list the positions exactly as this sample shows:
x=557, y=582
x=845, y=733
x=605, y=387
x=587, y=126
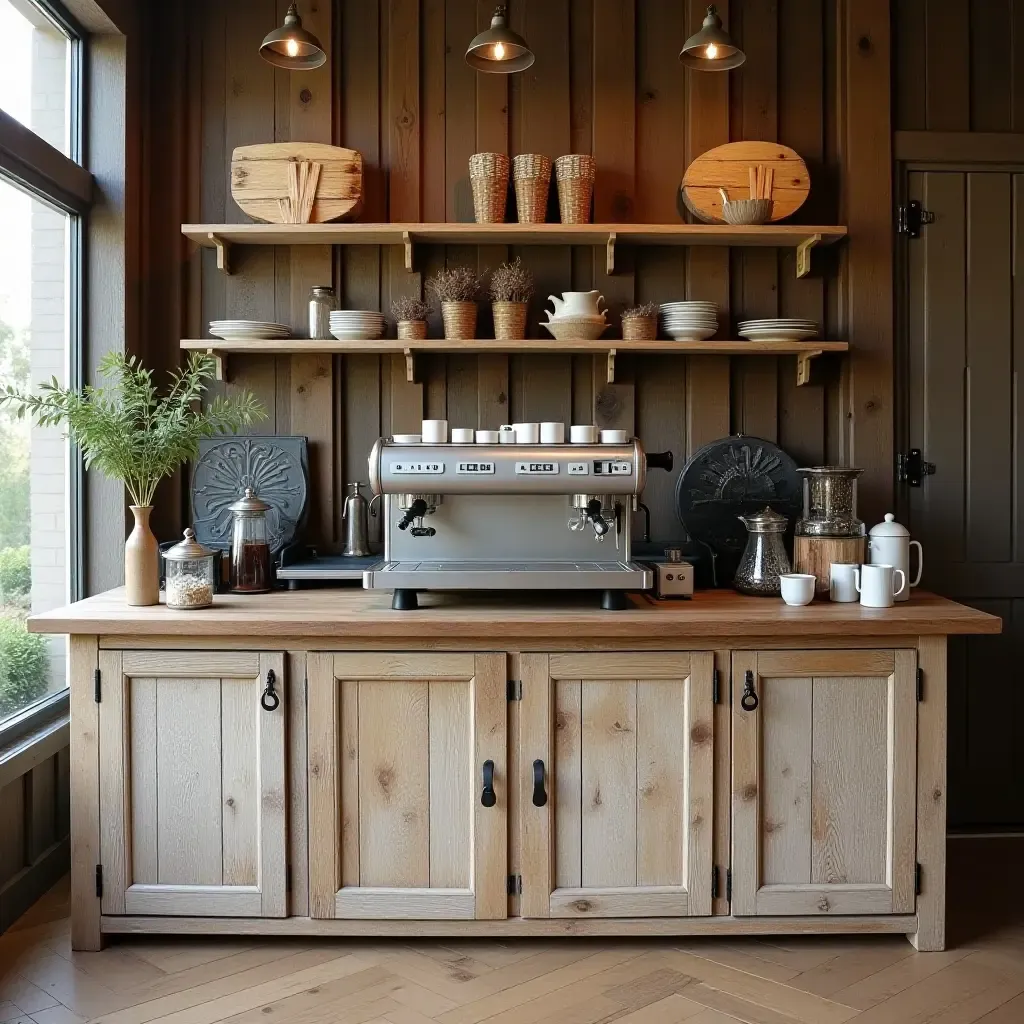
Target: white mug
x=552, y=433
x=407, y=438
x=435, y=431
x=486, y=437
x=583, y=434
x=527, y=433
x=842, y=582
x=506, y=434
x=876, y=584
x=797, y=587
x=462, y=435
x=614, y=436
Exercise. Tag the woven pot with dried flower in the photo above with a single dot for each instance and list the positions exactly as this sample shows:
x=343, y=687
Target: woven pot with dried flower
x=456, y=289
x=640, y=323
x=531, y=173
x=488, y=174
x=411, y=317
x=575, y=173
x=511, y=291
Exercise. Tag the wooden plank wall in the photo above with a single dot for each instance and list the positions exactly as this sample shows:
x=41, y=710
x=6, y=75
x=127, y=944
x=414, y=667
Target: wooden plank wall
x=607, y=81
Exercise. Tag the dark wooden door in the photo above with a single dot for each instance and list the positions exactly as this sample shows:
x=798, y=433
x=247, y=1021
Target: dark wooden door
x=963, y=320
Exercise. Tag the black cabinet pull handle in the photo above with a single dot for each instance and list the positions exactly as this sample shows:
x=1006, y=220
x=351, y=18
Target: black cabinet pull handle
x=540, y=797
x=488, y=797
x=749, y=700
x=270, y=701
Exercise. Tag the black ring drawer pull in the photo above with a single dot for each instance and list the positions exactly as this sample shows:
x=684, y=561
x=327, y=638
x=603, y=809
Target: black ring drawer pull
x=488, y=797
x=749, y=700
x=270, y=701
x=540, y=797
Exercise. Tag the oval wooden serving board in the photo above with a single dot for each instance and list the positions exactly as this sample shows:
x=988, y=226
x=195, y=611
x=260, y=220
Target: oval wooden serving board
x=330, y=179
x=728, y=167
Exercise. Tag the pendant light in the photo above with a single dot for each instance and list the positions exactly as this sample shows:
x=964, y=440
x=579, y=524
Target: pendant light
x=498, y=49
x=292, y=47
x=711, y=49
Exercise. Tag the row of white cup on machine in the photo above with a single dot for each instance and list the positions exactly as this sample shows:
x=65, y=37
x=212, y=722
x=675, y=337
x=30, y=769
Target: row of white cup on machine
x=436, y=432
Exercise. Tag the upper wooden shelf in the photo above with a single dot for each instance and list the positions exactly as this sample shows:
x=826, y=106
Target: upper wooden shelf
x=802, y=237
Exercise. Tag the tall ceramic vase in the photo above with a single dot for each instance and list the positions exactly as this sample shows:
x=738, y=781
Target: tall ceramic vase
x=141, y=561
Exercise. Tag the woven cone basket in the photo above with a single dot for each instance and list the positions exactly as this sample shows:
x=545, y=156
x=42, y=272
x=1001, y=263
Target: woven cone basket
x=412, y=330
x=532, y=175
x=459, y=320
x=509, y=320
x=639, y=328
x=575, y=173
x=488, y=174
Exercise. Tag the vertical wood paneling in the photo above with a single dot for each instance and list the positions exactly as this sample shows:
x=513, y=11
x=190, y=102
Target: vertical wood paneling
x=451, y=796
x=947, y=31
x=991, y=57
x=568, y=772
x=910, y=68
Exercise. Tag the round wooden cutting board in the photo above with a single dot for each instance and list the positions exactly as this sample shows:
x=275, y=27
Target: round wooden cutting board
x=728, y=167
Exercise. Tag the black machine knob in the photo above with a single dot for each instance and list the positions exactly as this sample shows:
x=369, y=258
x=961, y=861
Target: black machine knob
x=417, y=510
x=660, y=460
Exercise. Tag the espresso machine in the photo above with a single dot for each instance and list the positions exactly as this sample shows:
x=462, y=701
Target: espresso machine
x=509, y=517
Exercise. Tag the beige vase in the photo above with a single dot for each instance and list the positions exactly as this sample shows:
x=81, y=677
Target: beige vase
x=141, y=561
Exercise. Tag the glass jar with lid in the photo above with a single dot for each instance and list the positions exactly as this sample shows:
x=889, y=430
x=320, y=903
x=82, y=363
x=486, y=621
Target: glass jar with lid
x=250, y=545
x=189, y=574
x=765, y=559
x=322, y=302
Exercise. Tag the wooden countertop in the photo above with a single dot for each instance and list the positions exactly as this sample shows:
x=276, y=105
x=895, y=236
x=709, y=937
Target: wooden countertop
x=356, y=613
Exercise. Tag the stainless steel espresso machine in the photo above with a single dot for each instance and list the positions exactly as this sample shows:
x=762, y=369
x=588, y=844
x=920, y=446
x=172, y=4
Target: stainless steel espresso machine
x=509, y=517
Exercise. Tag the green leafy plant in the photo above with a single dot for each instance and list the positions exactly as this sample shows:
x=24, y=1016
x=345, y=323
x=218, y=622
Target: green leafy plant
x=15, y=573
x=129, y=432
x=24, y=668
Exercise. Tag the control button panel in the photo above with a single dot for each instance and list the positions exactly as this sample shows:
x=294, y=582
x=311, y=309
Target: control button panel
x=612, y=467
x=536, y=469
x=475, y=468
x=418, y=468
x=578, y=469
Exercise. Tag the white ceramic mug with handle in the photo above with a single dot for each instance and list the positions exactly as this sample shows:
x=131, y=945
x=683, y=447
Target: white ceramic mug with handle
x=842, y=582
x=876, y=585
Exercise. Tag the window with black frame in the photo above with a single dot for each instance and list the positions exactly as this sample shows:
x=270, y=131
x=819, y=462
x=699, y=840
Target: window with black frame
x=44, y=193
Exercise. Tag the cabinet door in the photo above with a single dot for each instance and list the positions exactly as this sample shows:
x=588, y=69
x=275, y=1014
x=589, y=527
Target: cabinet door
x=192, y=784
x=824, y=782
x=616, y=762
x=399, y=823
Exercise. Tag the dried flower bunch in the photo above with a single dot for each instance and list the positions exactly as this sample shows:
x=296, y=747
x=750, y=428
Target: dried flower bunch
x=408, y=308
x=454, y=284
x=512, y=282
x=647, y=309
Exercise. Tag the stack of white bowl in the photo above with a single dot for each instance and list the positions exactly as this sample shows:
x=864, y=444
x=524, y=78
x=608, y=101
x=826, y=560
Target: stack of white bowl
x=794, y=329
x=248, y=330
x=689, y=321
x=356, y=324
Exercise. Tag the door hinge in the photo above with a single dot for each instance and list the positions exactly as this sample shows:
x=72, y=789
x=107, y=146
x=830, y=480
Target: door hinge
x=912, y=216
x=514, y=886
x=728, y=884
x=714, y=883
x=99, y=881
x=917, y=879
x=911, y=467
x=514, y=689
x=97, y=689
x=920, y=684
x=716, y=689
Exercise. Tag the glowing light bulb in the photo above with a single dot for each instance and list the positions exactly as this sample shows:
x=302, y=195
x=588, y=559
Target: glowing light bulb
x=292, y=47
x=499, y=51
x=711, y=51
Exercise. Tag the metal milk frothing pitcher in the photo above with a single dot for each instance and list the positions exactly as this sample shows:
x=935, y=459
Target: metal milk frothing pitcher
x=356, y=517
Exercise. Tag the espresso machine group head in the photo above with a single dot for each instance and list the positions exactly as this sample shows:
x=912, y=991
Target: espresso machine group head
x=509, y=517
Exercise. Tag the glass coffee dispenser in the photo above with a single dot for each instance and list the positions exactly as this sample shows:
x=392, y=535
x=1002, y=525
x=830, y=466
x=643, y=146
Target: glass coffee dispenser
x=250, y=545
x=829, y=530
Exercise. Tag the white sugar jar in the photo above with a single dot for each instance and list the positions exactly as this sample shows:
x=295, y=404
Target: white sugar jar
x=189, y=574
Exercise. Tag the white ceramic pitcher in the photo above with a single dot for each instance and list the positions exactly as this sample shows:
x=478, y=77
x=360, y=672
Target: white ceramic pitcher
x=889, y=543
x=577, y=304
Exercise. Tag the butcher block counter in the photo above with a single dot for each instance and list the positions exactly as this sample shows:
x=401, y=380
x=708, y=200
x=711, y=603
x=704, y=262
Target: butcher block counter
x=313, y=762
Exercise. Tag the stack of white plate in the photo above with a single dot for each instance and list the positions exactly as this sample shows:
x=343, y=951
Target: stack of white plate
x=794, y=329
x=248, y=330
x=689, y=321
x=356, y=324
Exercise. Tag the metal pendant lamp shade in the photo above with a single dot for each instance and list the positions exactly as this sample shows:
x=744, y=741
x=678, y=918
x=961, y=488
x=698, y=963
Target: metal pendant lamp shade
x=292, y=47
x=499, y=50
x=711, y=49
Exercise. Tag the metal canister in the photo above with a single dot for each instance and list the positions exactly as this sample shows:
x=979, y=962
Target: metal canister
x=356, y=517
x=322, y=301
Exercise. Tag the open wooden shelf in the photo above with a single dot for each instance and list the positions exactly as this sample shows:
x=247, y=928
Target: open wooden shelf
x=802, y=237
x=805, y=351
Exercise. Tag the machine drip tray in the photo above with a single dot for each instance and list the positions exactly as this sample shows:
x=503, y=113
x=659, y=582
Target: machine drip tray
x=532, y=575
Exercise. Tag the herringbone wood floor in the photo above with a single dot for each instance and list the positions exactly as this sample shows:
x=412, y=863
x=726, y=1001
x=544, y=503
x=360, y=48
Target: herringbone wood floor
x=569, y=981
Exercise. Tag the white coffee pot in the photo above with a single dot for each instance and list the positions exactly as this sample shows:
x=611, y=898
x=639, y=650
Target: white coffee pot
x=889, y=543
x=577, y=304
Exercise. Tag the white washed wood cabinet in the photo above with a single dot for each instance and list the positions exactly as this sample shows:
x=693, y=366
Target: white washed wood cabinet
x=824, y=772
x=192, y=784
x=616, y=784
x=401, y=750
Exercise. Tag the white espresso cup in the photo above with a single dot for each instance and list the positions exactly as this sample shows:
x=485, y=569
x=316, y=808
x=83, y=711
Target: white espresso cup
x=797, y=587
x=614, y=436
x=527, y=433
x=462, y=435
x=552, y=433
x=842, y=582
x=876, y=584
x=506, y=434
x=585, y=434
x=435, y=431
x=487, y=437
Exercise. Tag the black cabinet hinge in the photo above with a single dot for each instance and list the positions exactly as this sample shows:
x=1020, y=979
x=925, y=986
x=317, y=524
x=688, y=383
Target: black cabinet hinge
x=99, y=881
x=912, y=217
x=920, y=684
x=514, y=886
x=917, y=879
x=716, y=690
x=911, y=467
x=97, y=690
x=714, y=883
x=728, y=884
x=514, y=689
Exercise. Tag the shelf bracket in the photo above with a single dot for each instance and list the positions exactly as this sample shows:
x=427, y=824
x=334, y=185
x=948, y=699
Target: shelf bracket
x=803, y=255
x=223, y=252
x=220, y=364
x=410, y=366
x=611, y=366
x=609, y=257
x=407, y=243
x=803, y=366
